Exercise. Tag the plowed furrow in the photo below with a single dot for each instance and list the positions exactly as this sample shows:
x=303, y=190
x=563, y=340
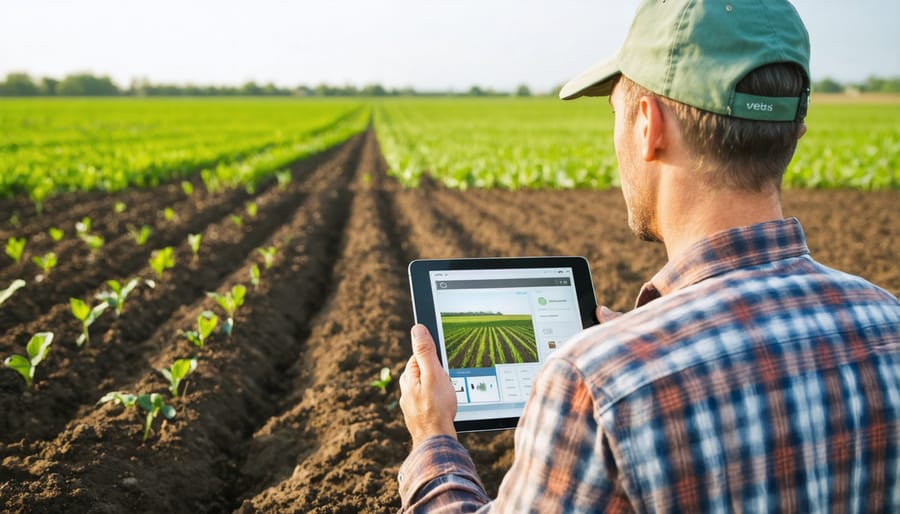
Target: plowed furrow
x=332, y=410
x=229, y=395
x=73, y=378
x=79, y=271
x=500, y=238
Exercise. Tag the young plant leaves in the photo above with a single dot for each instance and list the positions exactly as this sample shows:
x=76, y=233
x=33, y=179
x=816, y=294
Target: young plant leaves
x=154, y=405
x=116, y=297
x=15, y=286
x=46, y=263
x=38, y=348
x=384, y=379
x=161, y=260
x=15, y=247
x=87, y=316
x=179, y=370
x=194, y=241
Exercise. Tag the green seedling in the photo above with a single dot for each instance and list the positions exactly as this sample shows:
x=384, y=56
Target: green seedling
x=268, y=254
x=84, y=226
x=120, y=207
x=367, y=179
x=252, y=209
x=194, y=241
x=39, y=193
x=229, y=302
x=210, y=181
x=141, y=236
x=55, y=234
x=161, y=260
x=187, y=187
x=93, y=241
x=15, y=247
x=283, y=178
x=119, y=292
x=47, y=262
x=168, y=214
x=206, y=324
x=384, y=378
x=15, y=286
x=254, y=276
x=237, y=220
x=87, y=316
x=38, y=348
x=153, y=404
x=180, y=369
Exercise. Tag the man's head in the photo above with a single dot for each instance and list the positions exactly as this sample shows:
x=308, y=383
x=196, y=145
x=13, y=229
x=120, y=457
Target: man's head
x=734, y=75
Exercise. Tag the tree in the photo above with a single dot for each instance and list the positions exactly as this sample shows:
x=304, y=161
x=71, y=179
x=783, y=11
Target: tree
x=373, y=90
x=85, y=84
x=18, y=84
x=48, y=86
x=880, y=85
x=523, y=90
x=827, y=85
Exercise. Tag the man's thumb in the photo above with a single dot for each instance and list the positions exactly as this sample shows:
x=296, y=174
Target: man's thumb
x=424, y=349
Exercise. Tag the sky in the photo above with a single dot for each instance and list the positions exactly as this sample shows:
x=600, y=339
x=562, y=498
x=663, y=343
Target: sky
x=425, y=44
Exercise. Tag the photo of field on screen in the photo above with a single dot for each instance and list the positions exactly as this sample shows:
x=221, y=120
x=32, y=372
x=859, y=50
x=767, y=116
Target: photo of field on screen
x=482, y=332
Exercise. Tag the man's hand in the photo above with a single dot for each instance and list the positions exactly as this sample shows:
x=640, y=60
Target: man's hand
x=427, y=397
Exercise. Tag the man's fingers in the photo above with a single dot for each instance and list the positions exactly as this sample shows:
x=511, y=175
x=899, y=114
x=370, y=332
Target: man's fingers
x=424, y=350
x=412, y=371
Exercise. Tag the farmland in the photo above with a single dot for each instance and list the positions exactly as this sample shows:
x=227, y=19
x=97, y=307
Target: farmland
x=280, y=416
x=483, y=341
x=544, y=143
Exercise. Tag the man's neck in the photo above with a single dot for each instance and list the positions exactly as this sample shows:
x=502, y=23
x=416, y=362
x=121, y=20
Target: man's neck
x=690, y=213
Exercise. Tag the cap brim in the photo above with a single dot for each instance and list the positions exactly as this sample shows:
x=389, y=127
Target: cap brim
x=595, y=81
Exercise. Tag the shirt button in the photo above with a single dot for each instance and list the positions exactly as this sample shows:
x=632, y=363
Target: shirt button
x=400, y=477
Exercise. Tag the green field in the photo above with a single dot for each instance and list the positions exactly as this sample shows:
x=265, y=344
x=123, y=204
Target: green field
x=483, y=341
x=55, y=145
x=548, y=143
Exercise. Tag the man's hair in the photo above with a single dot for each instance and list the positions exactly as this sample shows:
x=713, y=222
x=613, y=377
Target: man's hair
x=732, y=152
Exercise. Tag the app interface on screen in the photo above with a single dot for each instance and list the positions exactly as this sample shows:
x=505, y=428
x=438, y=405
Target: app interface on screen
x=498, y=326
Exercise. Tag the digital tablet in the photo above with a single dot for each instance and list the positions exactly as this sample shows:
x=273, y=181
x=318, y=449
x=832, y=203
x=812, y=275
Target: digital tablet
x=495, y=321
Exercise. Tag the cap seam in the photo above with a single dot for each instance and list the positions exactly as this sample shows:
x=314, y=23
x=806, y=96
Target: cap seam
x=772, y=36
x=676, y=41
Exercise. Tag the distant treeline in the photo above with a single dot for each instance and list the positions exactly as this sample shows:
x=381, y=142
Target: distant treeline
x=85, y=84
x=870, y=85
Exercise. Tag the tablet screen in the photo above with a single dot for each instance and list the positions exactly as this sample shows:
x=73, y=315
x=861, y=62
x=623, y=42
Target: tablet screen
x=495, y=328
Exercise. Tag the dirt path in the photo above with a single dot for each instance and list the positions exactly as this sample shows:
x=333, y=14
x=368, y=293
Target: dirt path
x=280, y=416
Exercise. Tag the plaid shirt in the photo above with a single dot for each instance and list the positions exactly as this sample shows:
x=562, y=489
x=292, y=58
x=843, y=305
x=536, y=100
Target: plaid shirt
x=748, y=379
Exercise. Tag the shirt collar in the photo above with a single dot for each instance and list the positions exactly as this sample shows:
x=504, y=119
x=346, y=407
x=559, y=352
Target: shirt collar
x=731, y=249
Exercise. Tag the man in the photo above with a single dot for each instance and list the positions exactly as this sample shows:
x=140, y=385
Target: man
x=748, y=377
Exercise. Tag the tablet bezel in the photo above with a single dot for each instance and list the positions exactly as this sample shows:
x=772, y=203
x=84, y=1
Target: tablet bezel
x=424, y=312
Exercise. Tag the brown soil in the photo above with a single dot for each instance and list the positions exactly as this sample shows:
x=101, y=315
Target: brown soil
x=280, y=416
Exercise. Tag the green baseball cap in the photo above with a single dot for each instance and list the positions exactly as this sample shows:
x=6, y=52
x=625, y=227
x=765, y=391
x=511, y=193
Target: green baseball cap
x=695, y=52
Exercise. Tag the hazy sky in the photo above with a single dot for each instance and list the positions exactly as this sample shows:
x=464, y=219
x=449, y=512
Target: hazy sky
x=427, y=44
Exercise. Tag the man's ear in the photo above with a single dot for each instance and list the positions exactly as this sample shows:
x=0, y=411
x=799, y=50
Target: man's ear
x=651, y=121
